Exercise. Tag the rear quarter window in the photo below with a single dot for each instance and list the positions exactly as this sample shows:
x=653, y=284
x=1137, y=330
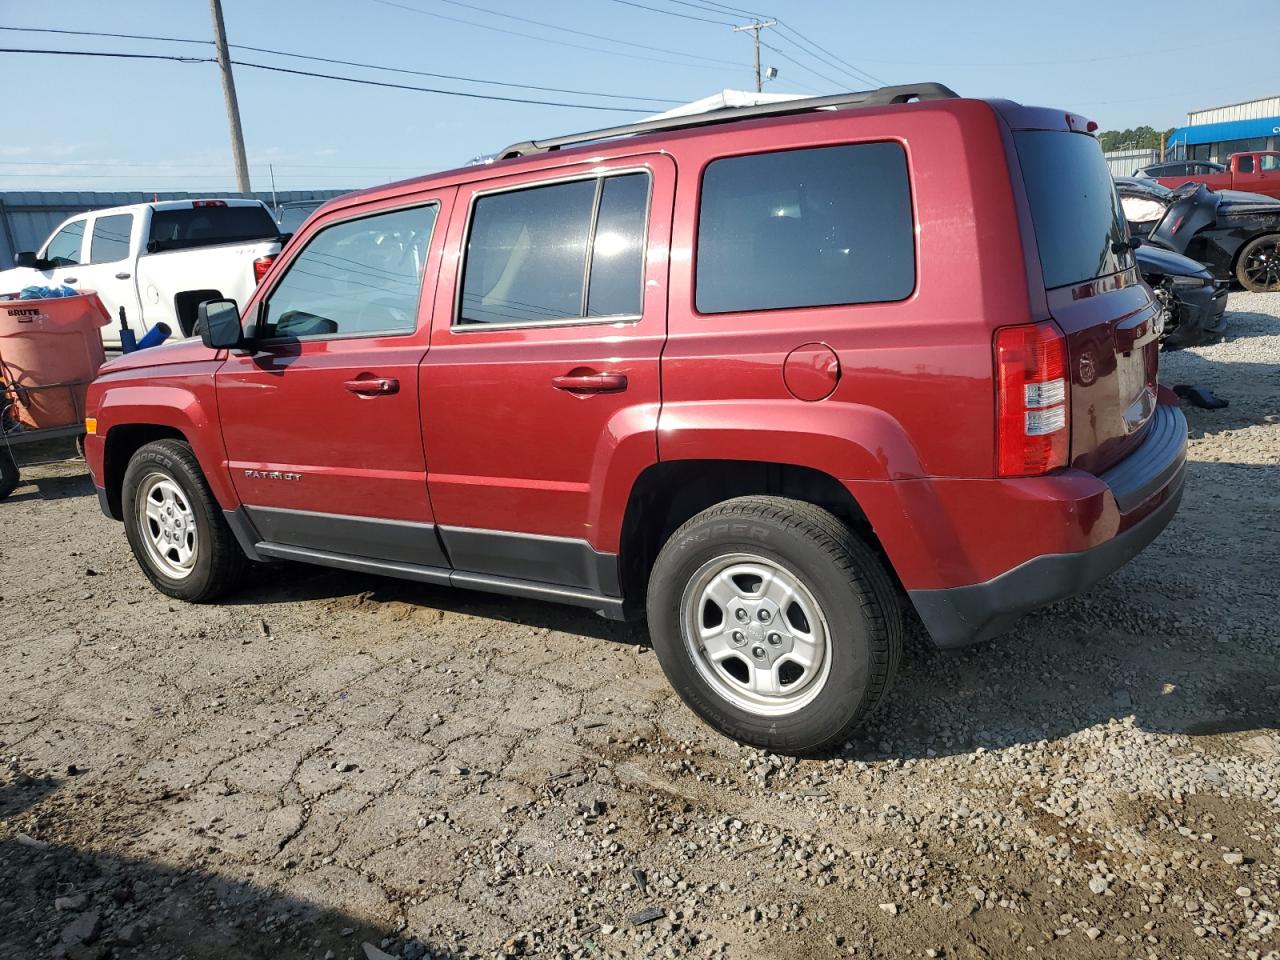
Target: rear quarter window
x=805, y=228
x=1074, y=208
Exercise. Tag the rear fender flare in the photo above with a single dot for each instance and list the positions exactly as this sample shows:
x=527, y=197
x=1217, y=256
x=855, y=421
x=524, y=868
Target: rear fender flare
x=848, y=441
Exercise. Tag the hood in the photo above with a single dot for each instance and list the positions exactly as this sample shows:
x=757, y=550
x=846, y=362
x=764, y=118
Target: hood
x=1153, y=260
x=175, y=351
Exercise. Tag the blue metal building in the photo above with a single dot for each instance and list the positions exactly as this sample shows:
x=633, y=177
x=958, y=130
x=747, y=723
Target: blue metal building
x=1217, y=132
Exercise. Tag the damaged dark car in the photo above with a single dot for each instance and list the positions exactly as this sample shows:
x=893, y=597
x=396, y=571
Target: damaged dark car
x=1236, y=235
x=1194, y=301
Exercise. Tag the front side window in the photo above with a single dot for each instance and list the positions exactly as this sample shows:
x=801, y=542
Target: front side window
x=357, y=278
x=805, y=228
x=565, y=251
x=110, y=240
x=64, y=248
x=1269, y=161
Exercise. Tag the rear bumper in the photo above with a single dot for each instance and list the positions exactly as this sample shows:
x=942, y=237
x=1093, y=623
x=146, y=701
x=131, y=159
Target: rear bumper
x=1146, y=488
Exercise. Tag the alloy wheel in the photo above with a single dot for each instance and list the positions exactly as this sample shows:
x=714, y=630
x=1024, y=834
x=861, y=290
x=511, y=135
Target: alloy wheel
x=756, y=634
x=168, y=526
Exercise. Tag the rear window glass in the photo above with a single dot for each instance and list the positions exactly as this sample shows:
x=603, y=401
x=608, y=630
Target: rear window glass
x=1077, y=216
x=805, y=228
x=207, y=225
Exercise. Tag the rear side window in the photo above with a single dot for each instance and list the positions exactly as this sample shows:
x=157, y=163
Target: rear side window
x=1244, y=164
x=357, y=278
x=805, y=228
x=564, y=251
x=203, y=226
x=1078, y=222
x=110, y=239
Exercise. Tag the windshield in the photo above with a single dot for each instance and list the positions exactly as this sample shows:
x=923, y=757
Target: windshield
x=1080, y=229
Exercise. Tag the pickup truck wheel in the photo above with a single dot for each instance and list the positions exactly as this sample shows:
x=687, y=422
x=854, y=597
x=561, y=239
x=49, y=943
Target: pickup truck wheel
x=175, y=528
x=774, y=623
x=1258, y=267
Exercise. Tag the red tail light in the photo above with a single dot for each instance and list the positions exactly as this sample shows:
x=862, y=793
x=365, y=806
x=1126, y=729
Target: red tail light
x=261, y=266
x=1033, y=421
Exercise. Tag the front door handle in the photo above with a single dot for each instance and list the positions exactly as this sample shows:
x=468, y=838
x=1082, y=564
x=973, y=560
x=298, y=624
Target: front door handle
x=68, y=279
x=123, y=275
x=374, y=386
x=591, y=382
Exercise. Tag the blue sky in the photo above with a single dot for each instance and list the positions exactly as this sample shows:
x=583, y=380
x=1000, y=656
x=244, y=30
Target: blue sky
x=103, y=124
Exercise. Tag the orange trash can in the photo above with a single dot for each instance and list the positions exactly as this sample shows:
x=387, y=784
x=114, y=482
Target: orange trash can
x=49, y=351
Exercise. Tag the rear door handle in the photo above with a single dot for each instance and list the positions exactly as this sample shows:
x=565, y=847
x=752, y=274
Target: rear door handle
x=123, y=275
x=374, y=386
x=591, y=382
x=68, y=279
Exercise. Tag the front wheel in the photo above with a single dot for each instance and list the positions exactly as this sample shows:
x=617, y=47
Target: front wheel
x=1258, y=268
x=175, y=527
x=774, y=623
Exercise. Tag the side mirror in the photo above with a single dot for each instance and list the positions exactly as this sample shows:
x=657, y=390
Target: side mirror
x=26, y=258
x=1135, y=243
x=219, y=324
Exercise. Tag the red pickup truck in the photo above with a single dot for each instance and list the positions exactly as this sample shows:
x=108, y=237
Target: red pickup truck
x=768, y=375
x=1257, y=172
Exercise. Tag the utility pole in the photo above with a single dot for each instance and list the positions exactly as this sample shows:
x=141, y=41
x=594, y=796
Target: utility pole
x=755, y=26
x=229, y=94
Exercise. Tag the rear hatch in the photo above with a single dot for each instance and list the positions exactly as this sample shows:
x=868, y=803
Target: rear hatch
x=1092, y=288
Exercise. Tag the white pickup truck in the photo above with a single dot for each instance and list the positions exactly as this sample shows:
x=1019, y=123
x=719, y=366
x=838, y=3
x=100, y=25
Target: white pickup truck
x=157, y=260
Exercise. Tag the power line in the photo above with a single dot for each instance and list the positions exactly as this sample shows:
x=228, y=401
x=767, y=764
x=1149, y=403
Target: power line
x=802, y=42
x=447, y=93
x=198, y=166
x=785, y=56
x=330, y=76
x=582, y=33
x=720, y=7
x=100, y=53
x=560, y=43
x=346, y=63
x=675, y=13
x=856, y=70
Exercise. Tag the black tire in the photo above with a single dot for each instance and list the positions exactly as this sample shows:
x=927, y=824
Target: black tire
x=1258, y=265
x=843, y=575
x=9, y=473
x=219, y=564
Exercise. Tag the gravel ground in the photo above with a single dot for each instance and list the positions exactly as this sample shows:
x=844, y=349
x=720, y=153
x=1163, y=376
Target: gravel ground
x=332, y=766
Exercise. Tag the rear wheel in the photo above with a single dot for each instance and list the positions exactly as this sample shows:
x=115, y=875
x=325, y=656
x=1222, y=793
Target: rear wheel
x=774, y=623
x=1258, y=267
x=175, y=527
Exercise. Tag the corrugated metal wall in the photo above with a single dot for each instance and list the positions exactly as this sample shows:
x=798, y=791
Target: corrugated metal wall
x=1124, y=162
x=27, y=218
x=1251, y=110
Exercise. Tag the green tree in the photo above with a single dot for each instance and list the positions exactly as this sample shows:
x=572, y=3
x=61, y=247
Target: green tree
x=1137, y=138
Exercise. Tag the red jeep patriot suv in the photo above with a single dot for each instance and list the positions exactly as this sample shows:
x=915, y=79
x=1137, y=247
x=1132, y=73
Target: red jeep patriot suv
x=769, y=374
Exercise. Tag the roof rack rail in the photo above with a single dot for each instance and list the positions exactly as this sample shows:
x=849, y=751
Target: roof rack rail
x=864, y=98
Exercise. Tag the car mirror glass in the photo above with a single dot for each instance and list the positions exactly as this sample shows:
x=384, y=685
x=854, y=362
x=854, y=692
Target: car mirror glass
x=219, y=324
